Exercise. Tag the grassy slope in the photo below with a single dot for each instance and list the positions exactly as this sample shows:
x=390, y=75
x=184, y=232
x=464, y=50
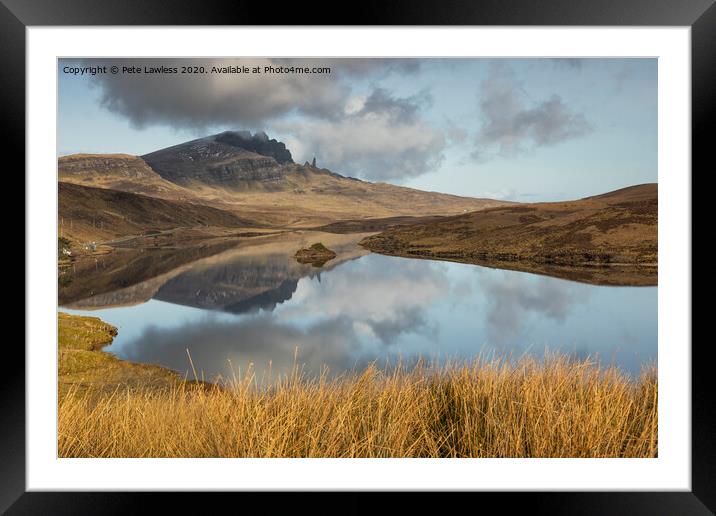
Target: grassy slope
x=96, y=214
x=118, y=172
x=374, y=225
x=305, y=197
x=82, y=366
x=615, y=228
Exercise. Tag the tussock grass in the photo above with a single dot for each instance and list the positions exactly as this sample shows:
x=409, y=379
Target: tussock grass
x=548, y=408
x=82, y=365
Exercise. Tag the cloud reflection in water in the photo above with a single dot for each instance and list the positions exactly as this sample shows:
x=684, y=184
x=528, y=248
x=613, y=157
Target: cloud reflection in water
x=378, y=308
x=514, y=299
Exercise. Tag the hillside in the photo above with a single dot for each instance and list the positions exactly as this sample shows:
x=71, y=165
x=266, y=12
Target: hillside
x=614, y=229
x=95, y=214
x=118, y=172
x=258, y=182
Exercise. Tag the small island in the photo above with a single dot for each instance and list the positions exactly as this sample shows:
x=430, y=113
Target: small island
x=316, y=255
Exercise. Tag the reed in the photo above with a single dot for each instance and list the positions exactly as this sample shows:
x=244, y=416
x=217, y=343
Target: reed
x=556, y=407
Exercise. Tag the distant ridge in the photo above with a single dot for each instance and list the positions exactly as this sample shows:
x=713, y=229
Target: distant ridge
x=255, y=178
x=618, y=228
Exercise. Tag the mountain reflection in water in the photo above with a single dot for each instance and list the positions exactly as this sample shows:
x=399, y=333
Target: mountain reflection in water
x=252, y=303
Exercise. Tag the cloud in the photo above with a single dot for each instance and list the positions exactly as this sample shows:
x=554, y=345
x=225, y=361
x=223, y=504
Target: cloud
x=382, y=139
x=513, y=125
x=455, y=133
x=514, y=297
x=374, y=136
x=197, y=101
x=387, y=300
x=400, y=110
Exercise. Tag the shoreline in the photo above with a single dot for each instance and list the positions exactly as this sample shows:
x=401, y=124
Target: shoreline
x=634, y=275
x=84, y=365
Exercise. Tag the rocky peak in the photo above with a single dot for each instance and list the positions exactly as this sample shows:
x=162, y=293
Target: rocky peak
x=232, y=159
x=258, y=143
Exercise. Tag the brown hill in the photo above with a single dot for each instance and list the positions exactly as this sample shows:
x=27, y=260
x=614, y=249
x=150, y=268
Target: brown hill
x=118, y=172
x=614, y=229
x=259, y=182
x=97, y=214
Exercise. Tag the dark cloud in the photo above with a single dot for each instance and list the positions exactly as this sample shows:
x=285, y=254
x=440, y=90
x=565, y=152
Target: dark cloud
x=377, y=137
x=241, y=100
x=512, y=124
x=550, y=122
x=399, y=110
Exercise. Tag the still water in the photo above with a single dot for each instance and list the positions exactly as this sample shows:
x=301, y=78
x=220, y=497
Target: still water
x=254, y=304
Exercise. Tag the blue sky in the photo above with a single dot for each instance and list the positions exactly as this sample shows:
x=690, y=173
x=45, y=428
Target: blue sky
x=518, y=129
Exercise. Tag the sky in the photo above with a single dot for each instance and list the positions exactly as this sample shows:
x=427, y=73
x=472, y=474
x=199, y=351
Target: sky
x=533, y=129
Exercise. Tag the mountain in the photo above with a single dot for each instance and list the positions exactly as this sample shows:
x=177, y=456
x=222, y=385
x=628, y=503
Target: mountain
x=118, y=172
x=256, y=179
x=614, y=230
x=235, y=160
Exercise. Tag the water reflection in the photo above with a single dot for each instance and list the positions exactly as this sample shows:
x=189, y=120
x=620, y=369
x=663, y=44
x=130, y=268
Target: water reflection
x=255, y=304
x=385, y=298
x=235, y=275
x=225, y=347
x=512, y=299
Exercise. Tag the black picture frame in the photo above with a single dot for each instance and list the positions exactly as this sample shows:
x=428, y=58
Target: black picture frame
x=700, y=15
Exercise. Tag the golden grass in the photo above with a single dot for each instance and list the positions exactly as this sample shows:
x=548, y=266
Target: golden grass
x=550, y=408
x=83, y=333
x=82, y=365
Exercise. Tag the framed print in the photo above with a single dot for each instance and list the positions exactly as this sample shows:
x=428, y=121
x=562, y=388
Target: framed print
x=447, y=252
